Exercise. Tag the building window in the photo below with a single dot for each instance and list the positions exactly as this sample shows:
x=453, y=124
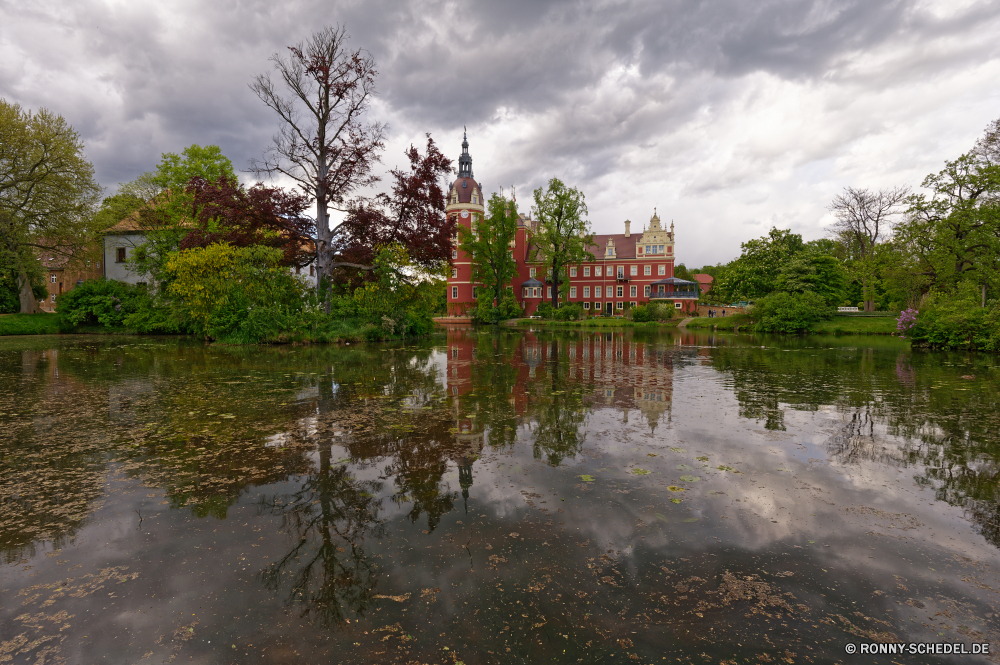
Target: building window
x=646, y=270
x=621, y=292
x=619, y=305
x=120, y=255
x=53, y=297
x=454, y=273
x=631, y=291
x=52, y=279
x=586, y=305
x=586, y=292
x=524, y=292
x=633, y=270
x=454, y=293
x=536, y=292
x=621, y=272
x=597, y=291
x=531, y=273
x=312, y=271
x=677, y=305
x=645, y=290
x=475, y=292
x=632, y=304
x=597, y=306
x=586, y=272
x=454, y=253
x=663, y=270
x=548, y=291
x=572, y=292
x=572, y=272
x=611, y=251
x=597, y=271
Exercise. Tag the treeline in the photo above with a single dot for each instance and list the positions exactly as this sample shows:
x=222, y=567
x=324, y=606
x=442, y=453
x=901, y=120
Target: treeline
x=231, y=262
x=933, y=253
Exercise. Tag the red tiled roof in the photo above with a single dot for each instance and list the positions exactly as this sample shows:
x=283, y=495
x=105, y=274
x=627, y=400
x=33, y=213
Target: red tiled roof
x=464, y=187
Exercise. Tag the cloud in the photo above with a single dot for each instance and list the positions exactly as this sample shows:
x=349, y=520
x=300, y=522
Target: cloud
x=718, y=113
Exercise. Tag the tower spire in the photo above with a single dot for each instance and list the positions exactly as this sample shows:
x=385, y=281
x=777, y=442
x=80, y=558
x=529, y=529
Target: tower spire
x=465, y=160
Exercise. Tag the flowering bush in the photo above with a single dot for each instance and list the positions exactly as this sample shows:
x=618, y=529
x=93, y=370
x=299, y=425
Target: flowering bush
x=907, y=319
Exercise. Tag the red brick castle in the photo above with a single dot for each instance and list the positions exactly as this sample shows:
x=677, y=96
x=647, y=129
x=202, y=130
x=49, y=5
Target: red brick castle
x=628, y=268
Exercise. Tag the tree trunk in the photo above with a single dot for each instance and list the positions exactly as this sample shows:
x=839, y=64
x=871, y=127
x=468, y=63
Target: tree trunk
x=555, y=285
x=28, y=303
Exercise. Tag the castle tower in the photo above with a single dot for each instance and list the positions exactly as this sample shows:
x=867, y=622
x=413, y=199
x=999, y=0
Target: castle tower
x=464, y=205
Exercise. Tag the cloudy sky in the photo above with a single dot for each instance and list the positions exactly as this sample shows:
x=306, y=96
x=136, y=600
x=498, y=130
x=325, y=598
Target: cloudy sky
x=728, y=116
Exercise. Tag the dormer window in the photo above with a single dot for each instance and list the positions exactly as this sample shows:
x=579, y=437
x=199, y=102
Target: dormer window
x=454, y=197
x=475, y=196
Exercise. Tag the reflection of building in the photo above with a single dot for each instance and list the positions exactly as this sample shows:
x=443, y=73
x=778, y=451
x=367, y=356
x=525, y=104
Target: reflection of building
x=628, y=268
x=622, y=373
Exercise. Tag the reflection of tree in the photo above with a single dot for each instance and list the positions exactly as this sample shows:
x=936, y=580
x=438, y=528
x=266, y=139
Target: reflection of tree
x=560, y=413
x=940, y=425
x=329, y=516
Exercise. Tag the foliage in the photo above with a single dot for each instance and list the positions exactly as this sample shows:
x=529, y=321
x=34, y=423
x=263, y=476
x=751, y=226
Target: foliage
x=10, y=292
x=47, y=192
x=234, y=292
x=681, y=272
x=391, y=303
x=412, y=216
x=507, y=307
x=754, y=273
x=789, y=312
x=652, y=312
x=809, y=272
x=322, y=144
x=102, y=302
x=954, y=234
x=226, y=212
x=562, y=235
x=175, y=172
x=488, y=245
x=956, y=320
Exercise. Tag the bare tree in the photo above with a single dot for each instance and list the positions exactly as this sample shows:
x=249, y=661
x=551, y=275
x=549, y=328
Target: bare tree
x=864, y=219
x=323, y=143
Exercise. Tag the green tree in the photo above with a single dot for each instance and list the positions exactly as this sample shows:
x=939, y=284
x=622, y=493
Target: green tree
x=810, y=272
x=681, y=272
x=176, y=171
x=753, y=275
x=954, y=234
x=47, y=192
x=563, y=233
x=489, y=244
x=864, y=219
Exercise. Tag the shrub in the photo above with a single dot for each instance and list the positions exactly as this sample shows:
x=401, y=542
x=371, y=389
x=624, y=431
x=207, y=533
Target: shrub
x=568, y=312
x=506, y=309
x=789, y=312
x=957, y=320
x=238, y=294
x=101, y=301
x=544, y=310
x=652, y=312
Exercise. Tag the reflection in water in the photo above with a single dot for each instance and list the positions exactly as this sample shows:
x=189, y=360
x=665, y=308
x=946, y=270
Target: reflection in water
x=619, y=499
x=327, y=573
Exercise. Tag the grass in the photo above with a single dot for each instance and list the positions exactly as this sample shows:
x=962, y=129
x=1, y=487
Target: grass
x=838, y=325
x=29, y=324
x=597, y=322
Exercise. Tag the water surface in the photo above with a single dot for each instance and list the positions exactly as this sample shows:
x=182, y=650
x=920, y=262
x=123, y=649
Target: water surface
x=520, y=497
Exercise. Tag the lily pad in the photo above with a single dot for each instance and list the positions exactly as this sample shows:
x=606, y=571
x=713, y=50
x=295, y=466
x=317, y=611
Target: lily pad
x=587, y=479
x=640, y=472
x=690, y=479
x=702, y=458
x=675, y=501
x=723, y=467
x=675, y=488
x=678, y=450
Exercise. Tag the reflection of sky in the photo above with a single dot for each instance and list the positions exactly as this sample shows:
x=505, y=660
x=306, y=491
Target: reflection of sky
x=856, y=534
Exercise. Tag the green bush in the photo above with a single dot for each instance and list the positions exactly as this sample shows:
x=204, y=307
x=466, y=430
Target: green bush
x=650, y=312
x=102, y=302
x=957, y=320
x=789, y=312
x=568, y=312
x=506, y=309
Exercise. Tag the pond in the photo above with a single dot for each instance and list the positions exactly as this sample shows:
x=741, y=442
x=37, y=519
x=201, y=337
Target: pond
x=485, y=497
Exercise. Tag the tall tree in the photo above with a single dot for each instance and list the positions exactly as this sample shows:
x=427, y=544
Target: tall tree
x=864, y=219
x=412, y=216
x=322, y=143
x=754, y=273
x=206, y=162
x=563, y=234
x=47, y=192
x=955, y=232
x=225, y=211
x=489, y=245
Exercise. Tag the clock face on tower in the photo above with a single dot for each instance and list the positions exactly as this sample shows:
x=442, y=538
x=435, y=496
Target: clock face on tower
x=465, y=213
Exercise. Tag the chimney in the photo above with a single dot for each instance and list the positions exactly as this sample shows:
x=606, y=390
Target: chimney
x=627, y=225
